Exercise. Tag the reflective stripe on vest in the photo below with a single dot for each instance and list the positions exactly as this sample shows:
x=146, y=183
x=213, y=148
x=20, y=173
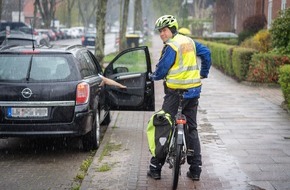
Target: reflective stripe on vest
x=185, y=72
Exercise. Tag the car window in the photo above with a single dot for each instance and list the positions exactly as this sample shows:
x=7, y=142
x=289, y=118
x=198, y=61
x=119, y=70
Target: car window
x=13, y=67
x=47, y=69
x=43, y=68
x=134, y=61
x=87, y=67
x=95, y=63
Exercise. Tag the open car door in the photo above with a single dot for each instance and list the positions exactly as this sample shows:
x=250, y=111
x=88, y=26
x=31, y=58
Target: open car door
x=130, y=68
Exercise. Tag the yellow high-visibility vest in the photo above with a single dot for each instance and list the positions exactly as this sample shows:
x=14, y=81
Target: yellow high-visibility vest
x=184, y=73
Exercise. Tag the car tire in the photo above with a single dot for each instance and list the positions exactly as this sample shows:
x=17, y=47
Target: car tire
x=91, y=140
x=107, y=119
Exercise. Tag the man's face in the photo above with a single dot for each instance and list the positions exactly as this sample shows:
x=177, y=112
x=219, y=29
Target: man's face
x=165, y=34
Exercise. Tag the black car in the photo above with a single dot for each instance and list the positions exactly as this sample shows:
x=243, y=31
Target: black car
x=89, y=38
x=12, y=25
x=57, y=91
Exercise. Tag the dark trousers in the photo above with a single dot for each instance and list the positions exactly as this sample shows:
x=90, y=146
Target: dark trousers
x=170, y=105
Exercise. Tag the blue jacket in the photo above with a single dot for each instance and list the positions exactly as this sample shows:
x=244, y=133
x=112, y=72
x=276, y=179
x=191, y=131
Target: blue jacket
x=167, y=59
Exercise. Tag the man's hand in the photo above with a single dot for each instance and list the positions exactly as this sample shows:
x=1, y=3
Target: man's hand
x=150, y=76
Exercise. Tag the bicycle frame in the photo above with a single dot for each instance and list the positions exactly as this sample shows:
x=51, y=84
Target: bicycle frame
x=178, y=147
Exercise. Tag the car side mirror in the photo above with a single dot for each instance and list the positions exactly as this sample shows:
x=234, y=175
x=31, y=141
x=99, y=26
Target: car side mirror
x=121, y=70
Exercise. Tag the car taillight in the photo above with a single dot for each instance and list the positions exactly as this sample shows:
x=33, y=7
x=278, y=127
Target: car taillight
x=83, y=92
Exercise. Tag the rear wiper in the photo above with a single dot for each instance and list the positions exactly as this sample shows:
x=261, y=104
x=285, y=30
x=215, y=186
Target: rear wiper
x=29, y=68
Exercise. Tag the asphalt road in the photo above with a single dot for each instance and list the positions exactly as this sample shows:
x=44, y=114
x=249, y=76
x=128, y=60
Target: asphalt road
x=110, y=40
x=45, y=163
x=42, y=163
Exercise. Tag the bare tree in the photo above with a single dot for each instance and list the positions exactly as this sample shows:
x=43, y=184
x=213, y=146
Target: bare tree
x=199, y=8
x=34, y=14
x=138, y=16
x=163, y=7
x=87, y=10
x=0, y=9
x=47, y=10
x=100, y=27
x=70, y=5
x=124, y=9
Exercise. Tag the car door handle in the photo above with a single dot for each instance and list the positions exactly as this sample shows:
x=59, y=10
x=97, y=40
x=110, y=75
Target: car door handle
x=128, y=76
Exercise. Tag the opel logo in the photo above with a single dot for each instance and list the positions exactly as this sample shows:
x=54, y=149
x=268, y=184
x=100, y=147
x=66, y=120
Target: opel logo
x=26, y=93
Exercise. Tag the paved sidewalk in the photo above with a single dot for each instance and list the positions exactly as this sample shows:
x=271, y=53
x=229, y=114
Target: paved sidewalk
x=245, y=139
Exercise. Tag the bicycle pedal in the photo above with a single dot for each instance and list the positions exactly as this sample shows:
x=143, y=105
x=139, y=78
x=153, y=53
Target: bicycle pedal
x=169, y=161
x=182, y=161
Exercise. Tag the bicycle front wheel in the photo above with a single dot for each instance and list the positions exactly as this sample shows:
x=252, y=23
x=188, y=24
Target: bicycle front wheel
x=176, y=165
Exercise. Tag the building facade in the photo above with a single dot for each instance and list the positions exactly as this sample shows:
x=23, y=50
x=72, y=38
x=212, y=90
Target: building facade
x=229, y=15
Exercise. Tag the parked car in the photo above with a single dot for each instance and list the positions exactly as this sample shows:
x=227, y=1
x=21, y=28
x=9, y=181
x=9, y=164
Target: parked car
x=79, y=31
x=74, y=33
x=28, y=30
x=11, y=25
x=21, y=39
x=51, y=35
x=59, y=34
x=66, y=32
x=3, y=33
x=17, y=26
x=223, y=35
x=88, y=39
x=57, y=91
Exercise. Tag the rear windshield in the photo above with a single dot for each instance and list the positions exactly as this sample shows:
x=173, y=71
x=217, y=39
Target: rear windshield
x=37, y=68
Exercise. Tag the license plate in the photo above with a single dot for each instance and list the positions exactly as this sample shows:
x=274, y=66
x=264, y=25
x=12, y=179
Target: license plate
x=91, y=39
x=27, y=112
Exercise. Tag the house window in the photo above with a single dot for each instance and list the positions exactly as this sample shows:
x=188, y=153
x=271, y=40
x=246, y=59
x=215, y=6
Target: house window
x=270, y=7
x=283, y=4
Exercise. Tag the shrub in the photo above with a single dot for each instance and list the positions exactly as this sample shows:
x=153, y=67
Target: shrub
x=244, y=35
x=280, y=32
x=252, y=25
x=241, y=58
x=264, y=67
x=284, y=81
x=255, y=23
x=260, y=41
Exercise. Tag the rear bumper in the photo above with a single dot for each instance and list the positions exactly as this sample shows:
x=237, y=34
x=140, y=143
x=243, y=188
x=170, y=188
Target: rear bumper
x=81, y=125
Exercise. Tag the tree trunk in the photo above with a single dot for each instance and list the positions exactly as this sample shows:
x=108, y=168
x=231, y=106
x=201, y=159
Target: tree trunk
x=35, y=15
x=70, y=5
x=124, y=21
x=87, y=10
x=0, y=9
x=100, y=27
x=138, y=16
x=46, y=9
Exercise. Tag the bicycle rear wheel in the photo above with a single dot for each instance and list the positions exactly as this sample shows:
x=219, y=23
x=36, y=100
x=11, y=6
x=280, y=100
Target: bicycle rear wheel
x=176, y=165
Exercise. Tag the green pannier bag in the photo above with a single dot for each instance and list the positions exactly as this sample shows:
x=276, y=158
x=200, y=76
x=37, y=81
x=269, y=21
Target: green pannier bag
x=159, y=131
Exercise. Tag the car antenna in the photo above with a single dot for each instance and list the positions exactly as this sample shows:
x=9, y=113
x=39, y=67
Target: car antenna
x=32, y=35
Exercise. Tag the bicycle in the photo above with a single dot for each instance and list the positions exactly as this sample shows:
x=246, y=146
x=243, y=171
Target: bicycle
x=178, y=145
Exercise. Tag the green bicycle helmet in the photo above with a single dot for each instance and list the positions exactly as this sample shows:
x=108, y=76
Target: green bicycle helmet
x=166, y=21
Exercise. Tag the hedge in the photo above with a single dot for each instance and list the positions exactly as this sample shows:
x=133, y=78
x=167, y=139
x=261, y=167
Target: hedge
x=246, y=64
x=284, y=81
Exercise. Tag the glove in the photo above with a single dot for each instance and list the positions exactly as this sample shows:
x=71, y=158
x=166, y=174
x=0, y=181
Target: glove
x=150, y=76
